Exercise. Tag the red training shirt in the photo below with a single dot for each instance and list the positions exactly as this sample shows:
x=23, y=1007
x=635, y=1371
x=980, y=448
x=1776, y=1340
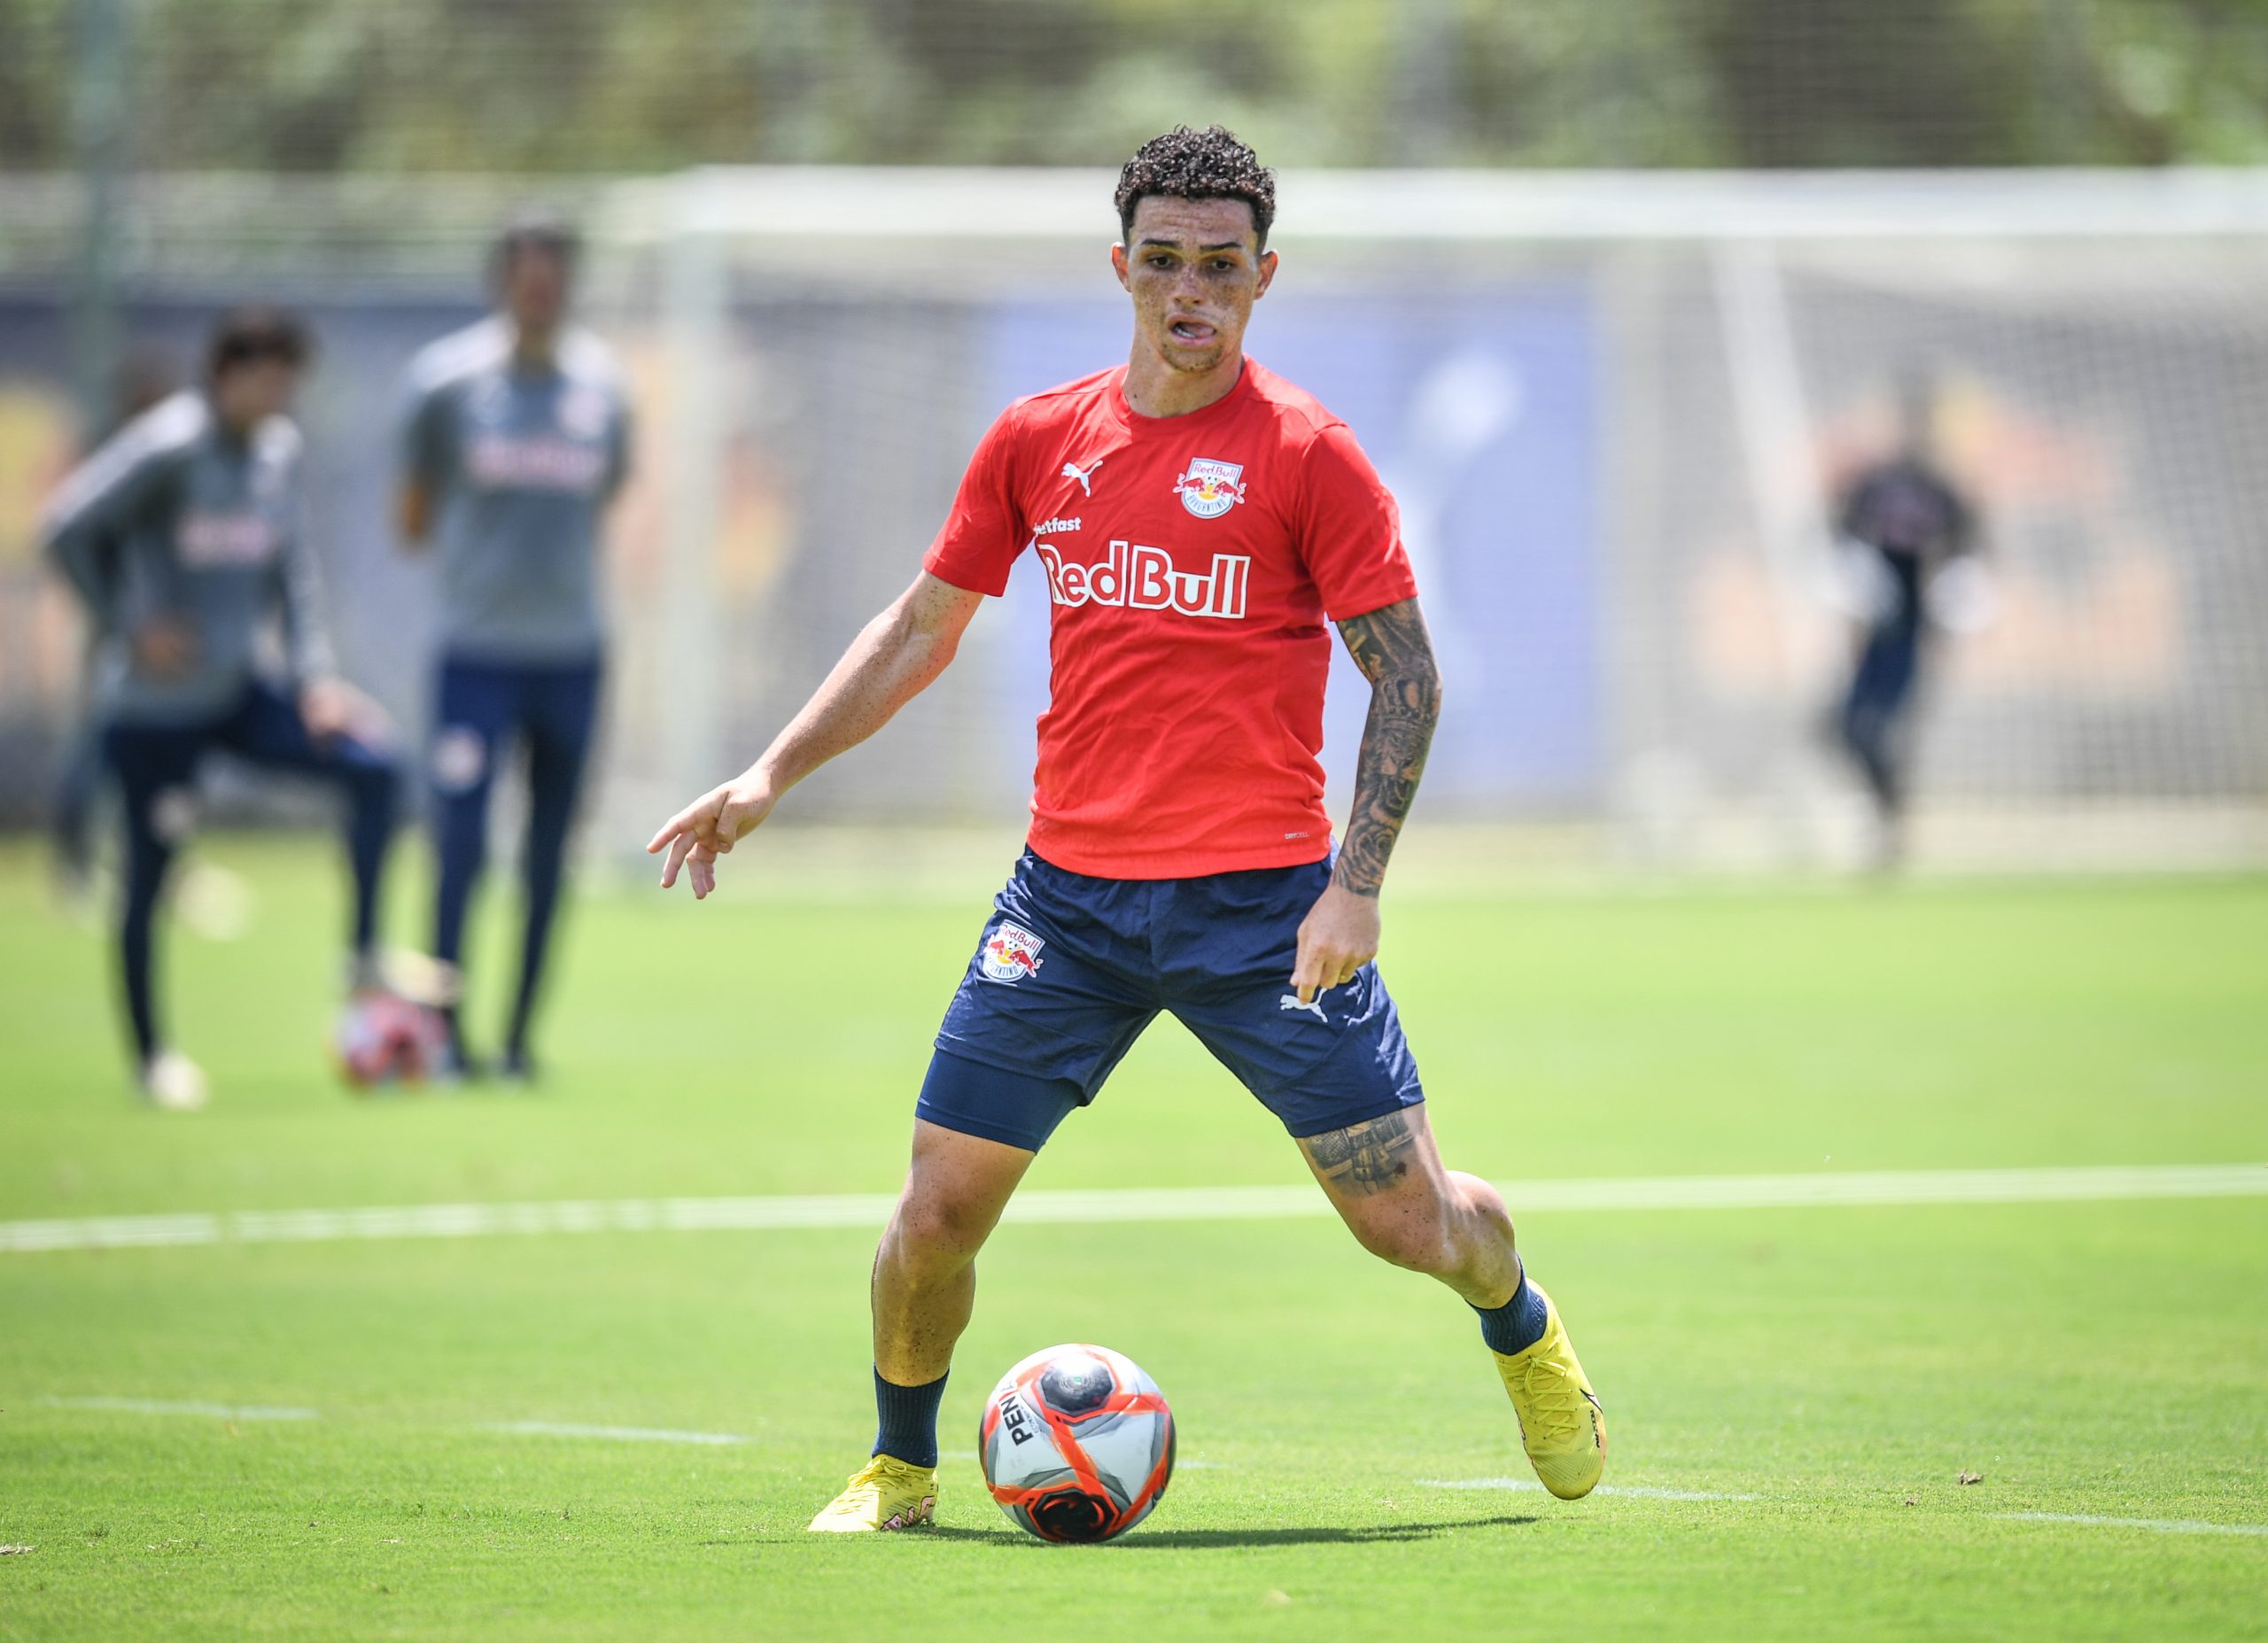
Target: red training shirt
x=1193, y=562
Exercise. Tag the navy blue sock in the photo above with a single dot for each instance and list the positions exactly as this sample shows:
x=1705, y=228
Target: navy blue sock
x=1518, y=1324
x=906, y=1425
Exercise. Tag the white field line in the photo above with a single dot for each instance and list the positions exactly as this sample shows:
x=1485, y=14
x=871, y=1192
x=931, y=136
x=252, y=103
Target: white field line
x=2161, y=1525
x=1529, y=1485
x=1881, y=1188
x=517, y=1429
x=619, y=1434
x=152, y=1406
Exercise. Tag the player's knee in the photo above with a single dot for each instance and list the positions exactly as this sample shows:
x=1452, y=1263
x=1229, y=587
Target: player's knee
x=938, y=1229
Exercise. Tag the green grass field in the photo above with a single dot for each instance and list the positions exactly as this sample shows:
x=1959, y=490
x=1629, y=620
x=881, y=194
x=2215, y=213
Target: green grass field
x=1818, y=1377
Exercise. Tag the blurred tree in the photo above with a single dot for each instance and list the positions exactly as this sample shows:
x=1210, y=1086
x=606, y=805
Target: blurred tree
x=597, y=86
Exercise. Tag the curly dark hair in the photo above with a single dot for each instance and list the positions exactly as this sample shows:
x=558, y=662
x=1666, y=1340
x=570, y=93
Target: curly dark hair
x=254, y=335
x=1210, y=164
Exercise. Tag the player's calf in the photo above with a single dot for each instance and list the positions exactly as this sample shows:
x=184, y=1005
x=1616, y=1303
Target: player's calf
x=1385, y=1178
x=924, y=1288
x=924, y=1278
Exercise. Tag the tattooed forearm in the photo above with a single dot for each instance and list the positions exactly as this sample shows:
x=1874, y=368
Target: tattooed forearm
x=1364, y=1158
x=1395, y=655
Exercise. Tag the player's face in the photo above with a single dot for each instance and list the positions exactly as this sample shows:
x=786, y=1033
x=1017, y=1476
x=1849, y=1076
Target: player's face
x=1194, y=268
x=248, y=394
x=535, y=289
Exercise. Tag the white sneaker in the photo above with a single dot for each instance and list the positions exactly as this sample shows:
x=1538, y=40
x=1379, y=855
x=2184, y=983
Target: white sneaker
x=173, y=1081
x=410, y=975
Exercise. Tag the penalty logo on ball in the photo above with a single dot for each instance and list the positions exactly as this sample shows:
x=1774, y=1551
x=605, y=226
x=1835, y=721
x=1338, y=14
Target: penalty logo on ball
x=1077, y=1444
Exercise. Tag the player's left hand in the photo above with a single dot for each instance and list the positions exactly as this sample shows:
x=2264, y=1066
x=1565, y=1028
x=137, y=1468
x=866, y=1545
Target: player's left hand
x=709, y=827
x=331, y=707
x=1337, y=937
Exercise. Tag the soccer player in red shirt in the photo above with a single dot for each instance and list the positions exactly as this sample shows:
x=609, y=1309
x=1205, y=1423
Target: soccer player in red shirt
x=1199, y=519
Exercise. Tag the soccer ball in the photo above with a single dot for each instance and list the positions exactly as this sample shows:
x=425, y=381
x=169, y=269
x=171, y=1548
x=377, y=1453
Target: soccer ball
x=383, y=1038
x=1077, y=1444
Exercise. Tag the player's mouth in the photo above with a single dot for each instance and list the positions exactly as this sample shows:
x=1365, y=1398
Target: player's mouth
x=1192, y=333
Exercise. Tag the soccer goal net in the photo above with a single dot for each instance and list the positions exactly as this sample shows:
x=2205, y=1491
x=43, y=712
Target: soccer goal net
x=1618, y=410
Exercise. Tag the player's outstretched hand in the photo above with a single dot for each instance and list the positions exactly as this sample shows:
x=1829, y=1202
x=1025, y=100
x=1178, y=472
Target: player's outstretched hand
x=331, y=707
x=1337, y=937
x=709, y=827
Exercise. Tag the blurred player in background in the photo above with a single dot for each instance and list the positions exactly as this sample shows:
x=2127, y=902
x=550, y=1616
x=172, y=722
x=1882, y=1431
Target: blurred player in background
x=144, y=377
x=184, y=536
x=1909, y=546
x=516, y=439
x=1200, y=520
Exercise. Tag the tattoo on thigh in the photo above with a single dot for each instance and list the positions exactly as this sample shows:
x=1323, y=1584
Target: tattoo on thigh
x=1364, y=1159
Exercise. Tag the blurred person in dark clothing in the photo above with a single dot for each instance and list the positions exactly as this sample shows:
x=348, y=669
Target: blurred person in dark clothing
x=145, y=377
x=1909, y=543
x=515, y=441
x=182, y=536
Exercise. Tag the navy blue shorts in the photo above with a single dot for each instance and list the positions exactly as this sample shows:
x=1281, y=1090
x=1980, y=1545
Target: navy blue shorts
x=1072, y=968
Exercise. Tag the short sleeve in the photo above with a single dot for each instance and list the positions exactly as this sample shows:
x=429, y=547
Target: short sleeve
x=1350, y=530
x=424, y=451
x=985, y=532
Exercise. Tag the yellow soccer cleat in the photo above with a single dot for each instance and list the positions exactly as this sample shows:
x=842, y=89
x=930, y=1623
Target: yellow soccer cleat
x=1562, y=1427
x=885, y=1493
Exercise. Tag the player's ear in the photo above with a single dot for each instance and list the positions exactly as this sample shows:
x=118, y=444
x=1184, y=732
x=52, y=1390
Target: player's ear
x=1267, y=274
x=1118, y=262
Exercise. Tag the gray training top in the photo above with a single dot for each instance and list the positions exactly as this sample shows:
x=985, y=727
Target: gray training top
x=174, y=516
x=521, y=462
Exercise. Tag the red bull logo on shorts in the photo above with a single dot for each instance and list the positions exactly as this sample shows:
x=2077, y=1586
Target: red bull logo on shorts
x=1209, y=489
x=1010, y=952
x=1146, y=578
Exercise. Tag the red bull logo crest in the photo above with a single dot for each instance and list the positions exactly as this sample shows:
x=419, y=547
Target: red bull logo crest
x=1010, y=952
x=1209, y=489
